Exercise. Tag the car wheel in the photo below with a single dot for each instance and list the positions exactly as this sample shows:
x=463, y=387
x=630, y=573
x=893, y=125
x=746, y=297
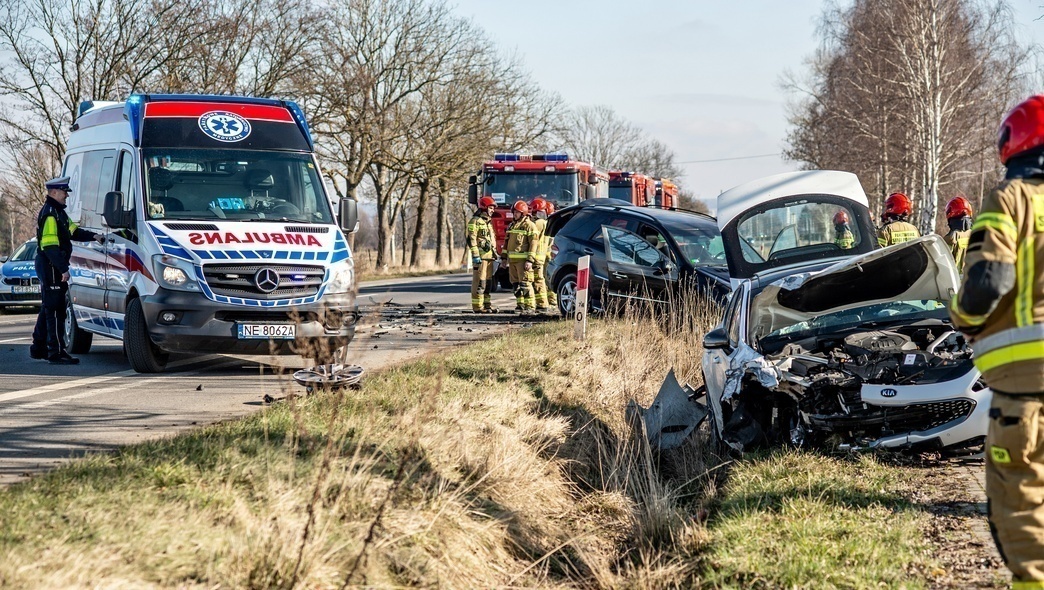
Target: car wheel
x=76, y=340
x=566, y=291
x=144, y=356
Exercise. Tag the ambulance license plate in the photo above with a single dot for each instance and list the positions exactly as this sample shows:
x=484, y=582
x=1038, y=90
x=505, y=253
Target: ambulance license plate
x=26, y=289
x=266, y=331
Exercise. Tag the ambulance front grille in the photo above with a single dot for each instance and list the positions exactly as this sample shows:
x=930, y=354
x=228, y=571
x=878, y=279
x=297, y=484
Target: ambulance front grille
x=238, y=280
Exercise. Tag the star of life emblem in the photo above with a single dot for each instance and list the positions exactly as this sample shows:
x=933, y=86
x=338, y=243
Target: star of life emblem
x=224, y=126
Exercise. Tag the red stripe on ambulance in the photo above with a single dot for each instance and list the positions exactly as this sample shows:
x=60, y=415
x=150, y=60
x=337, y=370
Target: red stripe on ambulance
x=253, y=112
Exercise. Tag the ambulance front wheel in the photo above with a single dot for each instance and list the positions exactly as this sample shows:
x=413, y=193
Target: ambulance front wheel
x=143, y=354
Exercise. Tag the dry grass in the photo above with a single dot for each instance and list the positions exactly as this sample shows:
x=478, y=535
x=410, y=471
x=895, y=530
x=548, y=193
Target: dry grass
x=504, y=464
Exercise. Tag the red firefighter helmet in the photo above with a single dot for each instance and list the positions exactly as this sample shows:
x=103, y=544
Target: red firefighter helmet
x=897, y=204
x=841, y=217
x=520, y=207
x=538, y=204
x=1022, y=129
x=486, y=203
x=958, y=207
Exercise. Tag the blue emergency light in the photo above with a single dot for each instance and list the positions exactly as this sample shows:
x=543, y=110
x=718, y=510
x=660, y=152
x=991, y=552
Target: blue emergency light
x=505, y=157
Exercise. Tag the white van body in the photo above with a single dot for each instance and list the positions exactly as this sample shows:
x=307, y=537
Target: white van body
x=219, y=234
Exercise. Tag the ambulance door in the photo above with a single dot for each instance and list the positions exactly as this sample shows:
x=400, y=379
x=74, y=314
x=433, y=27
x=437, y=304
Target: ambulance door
x=88, y=269
x=121, y=246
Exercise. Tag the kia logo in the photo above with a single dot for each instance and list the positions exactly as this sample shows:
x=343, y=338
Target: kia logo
x=267, y=280
x=889, y=393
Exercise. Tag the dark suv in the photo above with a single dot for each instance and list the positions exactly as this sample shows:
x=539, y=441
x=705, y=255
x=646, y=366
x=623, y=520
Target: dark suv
x=636, y=252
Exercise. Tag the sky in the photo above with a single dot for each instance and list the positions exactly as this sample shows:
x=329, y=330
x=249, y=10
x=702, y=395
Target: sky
x=703, y=76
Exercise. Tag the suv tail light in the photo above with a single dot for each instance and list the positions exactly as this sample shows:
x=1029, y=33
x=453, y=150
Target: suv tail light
x=554, y=250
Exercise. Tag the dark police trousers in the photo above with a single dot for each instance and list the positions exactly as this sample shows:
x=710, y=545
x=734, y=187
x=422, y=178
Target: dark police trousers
x=50, y=324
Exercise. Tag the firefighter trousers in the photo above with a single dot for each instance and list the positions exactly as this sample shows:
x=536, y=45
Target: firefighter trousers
x=482, y=285
x=545, y=297
x=49, y=333
x=522, y=281
x=1015, y=485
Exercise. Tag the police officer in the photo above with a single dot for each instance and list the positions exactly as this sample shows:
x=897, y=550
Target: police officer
x=1001, y=307
x=959, y=218
x=896, y=228
x=843, y=236
x=54, y=236
x=482, y=244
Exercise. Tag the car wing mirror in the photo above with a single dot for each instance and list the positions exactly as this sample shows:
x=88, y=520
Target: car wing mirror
x=663, y=267
x=716, y=338
x=349, y=215
x=113, y=213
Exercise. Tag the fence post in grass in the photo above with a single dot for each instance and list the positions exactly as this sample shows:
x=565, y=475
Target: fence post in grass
x=583, y=274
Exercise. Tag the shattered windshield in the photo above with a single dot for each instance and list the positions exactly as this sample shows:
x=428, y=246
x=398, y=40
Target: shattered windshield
x=869, y=316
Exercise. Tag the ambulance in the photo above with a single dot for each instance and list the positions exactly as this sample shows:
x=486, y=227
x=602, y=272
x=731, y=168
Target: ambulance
x=219, y=232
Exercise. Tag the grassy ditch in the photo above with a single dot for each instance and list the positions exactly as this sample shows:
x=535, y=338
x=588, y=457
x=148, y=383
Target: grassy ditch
x=504, y=463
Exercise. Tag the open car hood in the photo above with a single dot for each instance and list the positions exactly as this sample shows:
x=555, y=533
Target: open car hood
x=787, y=219
x=921, y=269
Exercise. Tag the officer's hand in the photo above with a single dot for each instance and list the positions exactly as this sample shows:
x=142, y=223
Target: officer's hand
x=529, y=265
x=476, y=260
x=65, y=277
x=100, y=238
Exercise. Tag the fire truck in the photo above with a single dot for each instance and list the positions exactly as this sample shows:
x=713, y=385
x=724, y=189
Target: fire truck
x=666, y=195
x=513, y=177
x=637, y=189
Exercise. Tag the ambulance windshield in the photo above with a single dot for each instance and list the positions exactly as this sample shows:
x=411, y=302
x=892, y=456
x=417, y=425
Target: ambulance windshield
x=243, y=185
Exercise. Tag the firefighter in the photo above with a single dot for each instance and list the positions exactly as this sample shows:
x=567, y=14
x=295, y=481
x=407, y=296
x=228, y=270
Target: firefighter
x=896, y=228
x=959, y=218
x=538, y=208
x=482, y=244
x=552, y=299
x=999, y=307
x=519, y=252
x=844, y=238
x=55, y=233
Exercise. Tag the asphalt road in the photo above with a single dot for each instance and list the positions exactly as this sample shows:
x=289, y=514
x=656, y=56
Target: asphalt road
x=49, y=413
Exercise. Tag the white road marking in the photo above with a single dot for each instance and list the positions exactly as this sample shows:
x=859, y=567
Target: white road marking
x=16, y=339
x=88, y=381
x=112, y=389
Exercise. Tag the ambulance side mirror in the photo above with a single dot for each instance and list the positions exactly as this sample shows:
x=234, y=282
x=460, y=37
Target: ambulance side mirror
x=349, y=215
x=115, y=216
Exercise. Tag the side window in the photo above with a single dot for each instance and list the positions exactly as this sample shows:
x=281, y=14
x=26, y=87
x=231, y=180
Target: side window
x=656, y=238
x=630, y=248
x=98, y=178
x=126, y=183
x=735, y=316
x=73, y=168
x=611, y=221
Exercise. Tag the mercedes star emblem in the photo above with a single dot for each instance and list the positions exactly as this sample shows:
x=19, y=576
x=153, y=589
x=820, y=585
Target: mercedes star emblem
x=267, y=280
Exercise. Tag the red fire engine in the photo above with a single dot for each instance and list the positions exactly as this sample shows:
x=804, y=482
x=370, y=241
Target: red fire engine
x=513, y=177
x=637, y=189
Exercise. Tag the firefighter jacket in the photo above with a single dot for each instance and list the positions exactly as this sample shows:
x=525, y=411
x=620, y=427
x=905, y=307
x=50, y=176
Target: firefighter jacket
x=521, y=242
x=896, y=232
x=845, y=239
x=957, y=240
x=55, y=233
x=540, y=248
x=481, y=240
x=1001, y=300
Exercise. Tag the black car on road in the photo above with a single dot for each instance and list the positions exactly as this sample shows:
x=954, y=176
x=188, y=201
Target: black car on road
x=636, y=252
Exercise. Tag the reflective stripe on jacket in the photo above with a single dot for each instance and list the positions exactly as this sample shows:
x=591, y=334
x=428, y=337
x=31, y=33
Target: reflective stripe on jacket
x=539, y=244
x=480, y=239
x=520, y=242
x=896, y=232
x=1009, y=346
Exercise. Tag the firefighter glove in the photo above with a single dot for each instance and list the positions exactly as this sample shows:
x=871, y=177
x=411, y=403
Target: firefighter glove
x=476, y=260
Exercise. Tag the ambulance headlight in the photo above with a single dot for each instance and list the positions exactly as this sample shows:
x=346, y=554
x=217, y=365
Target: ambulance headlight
x=174, y=273
x=342, y=278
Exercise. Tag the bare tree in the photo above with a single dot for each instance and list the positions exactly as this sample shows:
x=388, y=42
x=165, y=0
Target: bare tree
x=906, y=92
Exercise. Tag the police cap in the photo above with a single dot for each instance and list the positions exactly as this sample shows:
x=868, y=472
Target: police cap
x=60, y=183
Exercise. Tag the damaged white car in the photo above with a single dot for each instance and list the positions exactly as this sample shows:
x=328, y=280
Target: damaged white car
x=826, y=339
